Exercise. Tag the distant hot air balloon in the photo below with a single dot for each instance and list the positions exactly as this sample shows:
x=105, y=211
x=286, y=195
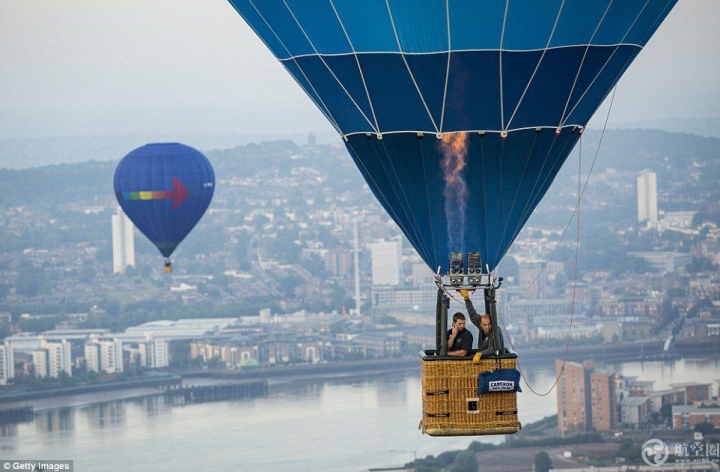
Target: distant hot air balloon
x=164, y=189
x=459, y=114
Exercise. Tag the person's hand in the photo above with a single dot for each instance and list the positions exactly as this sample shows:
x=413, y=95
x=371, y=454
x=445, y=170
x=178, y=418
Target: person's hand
x=476, y=359
x=464, y=293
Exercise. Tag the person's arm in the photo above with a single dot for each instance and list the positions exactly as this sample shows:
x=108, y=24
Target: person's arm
x=451, y=341
x=458, y=353
x=472, y=312
x=492, y=347
x=465, y=343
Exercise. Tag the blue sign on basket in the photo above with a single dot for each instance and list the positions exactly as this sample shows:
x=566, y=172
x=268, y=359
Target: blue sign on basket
x=500, y=380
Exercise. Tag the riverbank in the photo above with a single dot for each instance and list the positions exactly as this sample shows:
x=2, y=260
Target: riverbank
x=156, y=382
x=180, y=380
x=534, y=358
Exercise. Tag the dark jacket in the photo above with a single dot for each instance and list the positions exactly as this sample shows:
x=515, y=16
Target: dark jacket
x=486, y=342
x=463, y=342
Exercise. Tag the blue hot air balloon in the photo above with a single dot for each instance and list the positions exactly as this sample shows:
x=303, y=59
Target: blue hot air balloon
x=458, y=113
x=164, y=189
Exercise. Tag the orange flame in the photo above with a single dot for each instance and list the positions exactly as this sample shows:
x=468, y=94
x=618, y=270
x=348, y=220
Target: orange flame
x=454, y=148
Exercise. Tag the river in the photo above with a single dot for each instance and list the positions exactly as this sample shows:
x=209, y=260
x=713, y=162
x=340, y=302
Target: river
x=336, y=424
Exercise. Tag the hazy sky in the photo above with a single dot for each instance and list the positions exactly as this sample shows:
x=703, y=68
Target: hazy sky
x=78, y=67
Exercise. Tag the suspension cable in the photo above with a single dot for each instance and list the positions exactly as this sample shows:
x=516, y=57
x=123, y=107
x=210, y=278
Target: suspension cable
x=581, y=192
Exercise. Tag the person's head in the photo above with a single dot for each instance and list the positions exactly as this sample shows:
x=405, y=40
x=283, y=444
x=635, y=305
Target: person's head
x=486, y=323
x=459, y=321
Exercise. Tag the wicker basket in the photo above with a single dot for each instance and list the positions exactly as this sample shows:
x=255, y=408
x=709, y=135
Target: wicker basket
x=451, y=405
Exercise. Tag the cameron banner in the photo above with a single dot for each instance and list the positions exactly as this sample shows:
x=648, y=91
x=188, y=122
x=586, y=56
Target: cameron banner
x=500, y=380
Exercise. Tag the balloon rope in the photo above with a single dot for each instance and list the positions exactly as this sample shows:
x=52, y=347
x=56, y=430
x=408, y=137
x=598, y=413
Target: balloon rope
x=562, y=236
x=540, y=187
x=517, y=193
x=402, y=196
x=535, y=192
x=484, y=189
x=403, y=55
x=357, y=62
x=427, y=198
x=500, y=67
x=537, y=66
x=607, y=61
x=330, y=71
x=581, y=192
x=324, y=109
x=394, y=212
x=582, y=62
x=572, y=305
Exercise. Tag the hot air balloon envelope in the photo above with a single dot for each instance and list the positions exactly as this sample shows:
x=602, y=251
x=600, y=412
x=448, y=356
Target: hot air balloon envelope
x=518, y=79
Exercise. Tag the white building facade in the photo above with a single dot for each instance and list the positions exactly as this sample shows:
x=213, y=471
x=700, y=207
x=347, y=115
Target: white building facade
x=59, y=358
x=123, y=241
x=647, y=197
x=386, y=262
x=7, y=363
x=155, y=352
x=104, y=354
x=40, y=363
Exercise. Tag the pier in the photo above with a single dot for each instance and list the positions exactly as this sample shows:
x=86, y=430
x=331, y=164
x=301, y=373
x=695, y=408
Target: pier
x=16, y=415
x=214, y=393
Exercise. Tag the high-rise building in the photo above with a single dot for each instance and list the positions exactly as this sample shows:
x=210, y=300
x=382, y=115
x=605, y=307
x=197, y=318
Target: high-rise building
x=602, y=395
x=40, y=362
x=52, y=357
x=7, y=363
x=386, y=262
x=585, y=398
x=92, y=357
x=156, y=352
x=123, y=241
x=338, y=261
x=104, y=354
x=59, y=358
x=422, y=275
x=647, y=197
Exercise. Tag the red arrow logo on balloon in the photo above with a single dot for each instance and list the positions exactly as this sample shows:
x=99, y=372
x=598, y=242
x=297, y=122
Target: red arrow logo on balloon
x=178, y=194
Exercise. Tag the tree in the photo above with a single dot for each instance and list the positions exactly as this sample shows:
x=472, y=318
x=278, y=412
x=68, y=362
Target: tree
x=285, y=248
x=705, y=428
x=479, y=446
x=542, y=462
x=465, y=462
x=629, y=451
x=386, y=320
x=87, y=274
x=666, y=413
x=31, y=281
x=289, y=282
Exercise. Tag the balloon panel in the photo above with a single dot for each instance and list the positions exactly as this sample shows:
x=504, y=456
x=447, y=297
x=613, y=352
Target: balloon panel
x=397, y=69
x=503, y=184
